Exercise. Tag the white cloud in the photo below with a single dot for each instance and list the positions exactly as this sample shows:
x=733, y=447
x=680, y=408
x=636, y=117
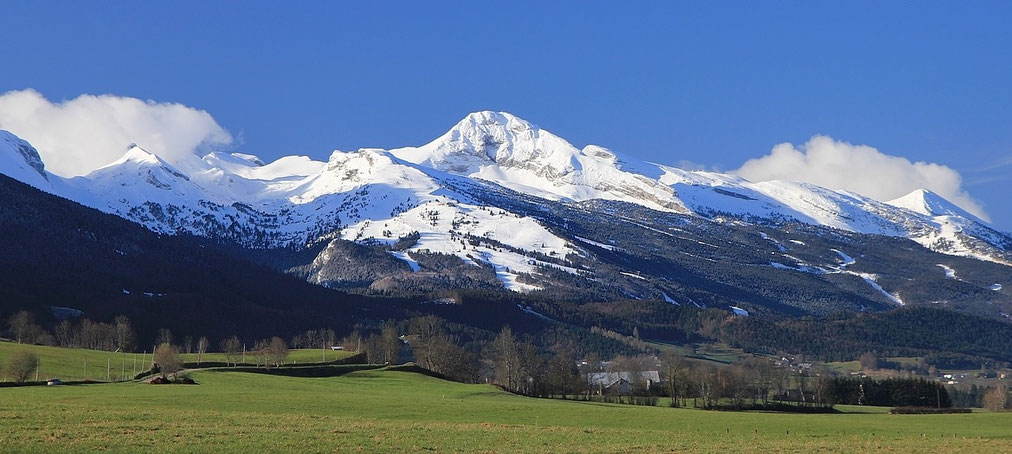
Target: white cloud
x=77, y=136
x=858, y=168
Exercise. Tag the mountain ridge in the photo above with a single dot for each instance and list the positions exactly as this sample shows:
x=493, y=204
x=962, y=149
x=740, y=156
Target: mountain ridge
x=499, y=193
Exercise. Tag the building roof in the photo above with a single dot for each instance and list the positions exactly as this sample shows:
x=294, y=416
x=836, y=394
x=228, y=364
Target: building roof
x=608, y=379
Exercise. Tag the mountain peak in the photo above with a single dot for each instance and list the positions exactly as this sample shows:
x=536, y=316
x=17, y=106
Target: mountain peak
x=137, y=154
x=489, y=119
x=137, y=160
x=494, y=139
x=928, y=203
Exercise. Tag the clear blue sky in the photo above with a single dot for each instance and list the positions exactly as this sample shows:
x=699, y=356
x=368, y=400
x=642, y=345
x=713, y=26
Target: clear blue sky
x=714, y=83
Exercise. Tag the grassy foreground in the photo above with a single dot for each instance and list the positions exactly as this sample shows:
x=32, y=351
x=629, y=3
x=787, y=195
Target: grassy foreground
x=394, y=411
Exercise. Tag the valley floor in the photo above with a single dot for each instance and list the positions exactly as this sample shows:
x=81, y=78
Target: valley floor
x=397, y=411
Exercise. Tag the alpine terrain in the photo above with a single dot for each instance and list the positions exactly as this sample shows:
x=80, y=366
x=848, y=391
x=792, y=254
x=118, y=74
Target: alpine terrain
x=498, y=203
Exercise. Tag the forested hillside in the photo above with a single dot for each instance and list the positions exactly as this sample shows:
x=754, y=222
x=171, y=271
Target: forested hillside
x=58, y=253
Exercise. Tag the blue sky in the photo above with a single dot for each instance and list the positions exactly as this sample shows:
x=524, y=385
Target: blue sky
x=711, y=83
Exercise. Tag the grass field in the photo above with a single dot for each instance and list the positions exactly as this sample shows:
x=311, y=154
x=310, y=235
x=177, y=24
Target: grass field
x=300, y=356
x=394, y=411
x=718, y=353
x=855, y=366
x=69, y=363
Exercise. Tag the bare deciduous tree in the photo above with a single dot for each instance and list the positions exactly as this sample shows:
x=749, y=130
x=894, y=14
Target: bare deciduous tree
x=424, y=331
x=505, y=355
x=276, y=351
x=328, y=338
x=164, y=336
x=351, y=342
x=23, y=328
x=390, y=343
x=705, y=380
x=562, y=375
x=676, y=376
x=202, y=344
x=21, y=365
x=232, y=348
x=167, y=358
x=64, y=334
x=259, y=353
x=372, y=350
x=996, y=399
x=530, y=380
x=124, y=333
x=734, y=381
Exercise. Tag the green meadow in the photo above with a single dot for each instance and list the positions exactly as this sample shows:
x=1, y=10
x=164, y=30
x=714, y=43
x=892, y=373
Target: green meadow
x=391, y=410
x=69, y=363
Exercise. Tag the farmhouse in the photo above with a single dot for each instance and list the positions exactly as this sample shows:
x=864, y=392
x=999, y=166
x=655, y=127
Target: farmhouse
x=621, y=382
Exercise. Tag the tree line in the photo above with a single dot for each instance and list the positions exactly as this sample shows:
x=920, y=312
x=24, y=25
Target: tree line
x=118, y=335
x=514, y=363
x=994, y=398
x=517, y=364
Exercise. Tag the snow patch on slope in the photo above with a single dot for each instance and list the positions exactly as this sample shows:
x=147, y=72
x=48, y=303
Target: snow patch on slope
x=871, y=279
x=444, y=224
x=846, y=259
x=780, y=247
x=407, y=259
x=607, y=247
x=801, y=267
x=949, y=272
x=633, y=275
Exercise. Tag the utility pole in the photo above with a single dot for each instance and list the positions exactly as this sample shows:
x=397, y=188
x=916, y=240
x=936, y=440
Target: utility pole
x=244, y=353
x=108, y=364
x=85, y=377
x=38, y=365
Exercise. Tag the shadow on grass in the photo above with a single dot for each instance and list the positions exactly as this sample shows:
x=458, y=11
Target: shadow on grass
x=43, y=383
x=336, y=370
x=358, y=359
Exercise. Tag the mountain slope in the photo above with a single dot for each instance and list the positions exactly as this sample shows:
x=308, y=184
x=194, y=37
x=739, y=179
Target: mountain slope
x=497, y=202
x=21, y=161
x=294, y=201
x=58, y=253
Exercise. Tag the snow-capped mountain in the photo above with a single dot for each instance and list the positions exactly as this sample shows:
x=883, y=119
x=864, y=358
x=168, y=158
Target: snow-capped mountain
x=506, y=150
x=21, y=161
x=498, y=192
